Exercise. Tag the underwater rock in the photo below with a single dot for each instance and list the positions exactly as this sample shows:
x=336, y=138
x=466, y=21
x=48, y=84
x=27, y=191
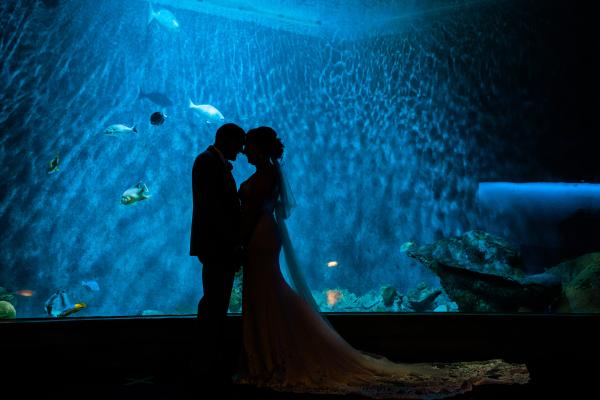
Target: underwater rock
x=389, y=295
x=445, y=303
x=7, y=310
x=422, y=298
x=566, y=271
x=483, y=273
x=475, y=250
x=580, y=280
x=583, y=292
x=339, y=299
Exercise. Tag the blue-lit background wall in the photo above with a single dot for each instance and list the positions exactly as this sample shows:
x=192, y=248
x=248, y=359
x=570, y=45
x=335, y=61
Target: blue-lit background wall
x=386, y=138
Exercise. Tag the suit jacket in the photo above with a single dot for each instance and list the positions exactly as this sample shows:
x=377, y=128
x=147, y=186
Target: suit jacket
x=216, y=213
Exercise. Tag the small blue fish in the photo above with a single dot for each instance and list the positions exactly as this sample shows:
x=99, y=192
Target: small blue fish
x=91, y=285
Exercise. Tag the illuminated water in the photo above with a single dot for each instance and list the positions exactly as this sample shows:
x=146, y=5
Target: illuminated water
x=389, y=127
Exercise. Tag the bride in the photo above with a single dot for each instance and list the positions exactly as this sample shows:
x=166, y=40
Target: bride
x=287, y=344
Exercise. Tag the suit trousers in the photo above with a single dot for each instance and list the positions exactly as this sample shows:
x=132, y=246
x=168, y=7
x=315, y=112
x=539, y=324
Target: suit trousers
x=217, y=282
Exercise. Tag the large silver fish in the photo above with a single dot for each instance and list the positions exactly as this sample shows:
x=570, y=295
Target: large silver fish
x=119, y=129
x=207, y=112
x=163, y=17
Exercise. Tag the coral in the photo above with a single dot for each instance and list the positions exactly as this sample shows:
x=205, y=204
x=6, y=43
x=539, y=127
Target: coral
x=235, y=302
x=422, y=298
x=7, y=296
x=337, y=299
x=7, y=310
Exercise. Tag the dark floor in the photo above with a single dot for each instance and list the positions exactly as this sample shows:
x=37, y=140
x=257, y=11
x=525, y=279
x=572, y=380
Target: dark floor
x=150, y=358
x=122, y=384
x=177, y=381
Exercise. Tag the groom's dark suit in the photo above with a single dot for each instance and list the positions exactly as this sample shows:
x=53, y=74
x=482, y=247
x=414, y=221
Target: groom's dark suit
x=214, y=238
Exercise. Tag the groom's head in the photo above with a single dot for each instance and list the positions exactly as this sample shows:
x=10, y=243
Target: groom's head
x=230, y=140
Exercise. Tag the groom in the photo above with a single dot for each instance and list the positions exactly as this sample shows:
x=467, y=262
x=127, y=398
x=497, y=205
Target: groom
x=215, y=240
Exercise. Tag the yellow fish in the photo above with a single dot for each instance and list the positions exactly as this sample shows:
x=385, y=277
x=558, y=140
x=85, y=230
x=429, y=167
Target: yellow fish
x=73, y=309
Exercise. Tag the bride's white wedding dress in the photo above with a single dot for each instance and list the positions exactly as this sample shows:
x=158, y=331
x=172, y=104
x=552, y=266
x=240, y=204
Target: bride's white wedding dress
x=288, y=346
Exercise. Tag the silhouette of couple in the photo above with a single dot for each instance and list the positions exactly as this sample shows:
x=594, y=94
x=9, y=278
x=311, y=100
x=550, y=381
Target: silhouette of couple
x=286, y=344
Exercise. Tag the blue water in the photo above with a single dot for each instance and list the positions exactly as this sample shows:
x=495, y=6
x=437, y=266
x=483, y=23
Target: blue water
x=387, y=134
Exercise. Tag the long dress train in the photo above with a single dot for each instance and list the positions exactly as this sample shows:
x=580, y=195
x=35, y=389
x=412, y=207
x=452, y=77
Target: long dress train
x=287, y=346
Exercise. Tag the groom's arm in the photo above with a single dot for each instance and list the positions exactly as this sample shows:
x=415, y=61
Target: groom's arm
x=208, y=207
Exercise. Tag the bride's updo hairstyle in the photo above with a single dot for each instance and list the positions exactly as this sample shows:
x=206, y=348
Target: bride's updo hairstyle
x=266, y=139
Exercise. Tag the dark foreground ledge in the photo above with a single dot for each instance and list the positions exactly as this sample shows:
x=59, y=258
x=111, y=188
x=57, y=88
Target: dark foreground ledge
x=561, y=351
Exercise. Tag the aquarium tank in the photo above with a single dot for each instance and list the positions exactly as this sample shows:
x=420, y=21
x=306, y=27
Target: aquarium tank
x=439, y=151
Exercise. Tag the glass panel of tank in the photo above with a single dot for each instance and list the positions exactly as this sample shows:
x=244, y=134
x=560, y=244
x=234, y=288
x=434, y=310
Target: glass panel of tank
x=421, y=142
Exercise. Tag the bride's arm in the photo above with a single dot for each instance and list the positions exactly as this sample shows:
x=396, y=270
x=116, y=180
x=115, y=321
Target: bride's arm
x=261, y=190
